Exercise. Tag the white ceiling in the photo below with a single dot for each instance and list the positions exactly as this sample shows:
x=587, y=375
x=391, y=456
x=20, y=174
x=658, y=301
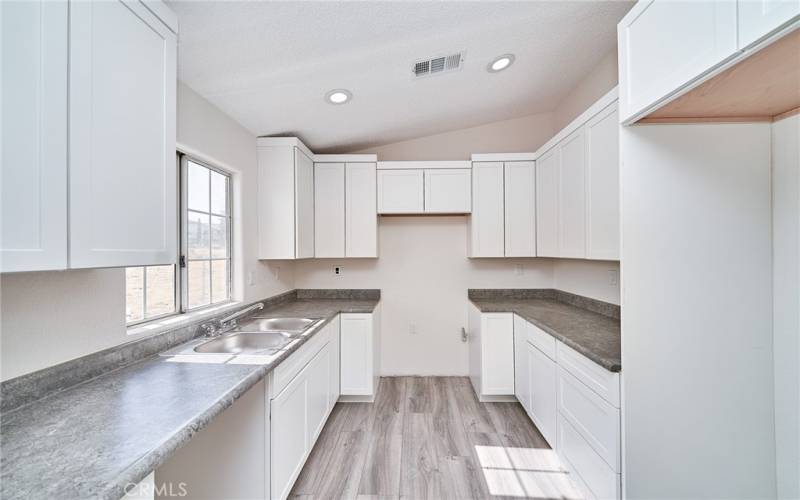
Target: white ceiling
x=269, y=64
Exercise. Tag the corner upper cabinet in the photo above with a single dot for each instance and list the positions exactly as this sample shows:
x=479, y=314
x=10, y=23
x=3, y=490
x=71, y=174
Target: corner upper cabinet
x=759, y=18
x=285, y=199
x=654, y=63
x=89, y=170
x=361, y=215
x=329, y=210
x=547, y=200
x=503, y=220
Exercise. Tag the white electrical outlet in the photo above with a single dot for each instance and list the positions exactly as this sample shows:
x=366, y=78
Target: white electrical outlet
x=338, y=270
x=412, y=329
x=613, y=277
x=519, y=269
x=251, y=278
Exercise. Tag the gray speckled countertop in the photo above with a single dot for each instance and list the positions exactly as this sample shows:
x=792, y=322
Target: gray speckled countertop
x=594, y=335
x=92, y=440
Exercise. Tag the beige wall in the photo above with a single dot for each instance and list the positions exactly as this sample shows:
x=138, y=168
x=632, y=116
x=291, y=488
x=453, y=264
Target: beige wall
x=602, y=78
x=51, y=317
x=519, y=135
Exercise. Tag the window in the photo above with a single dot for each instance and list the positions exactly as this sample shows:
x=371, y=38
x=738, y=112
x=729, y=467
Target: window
x=205, y=248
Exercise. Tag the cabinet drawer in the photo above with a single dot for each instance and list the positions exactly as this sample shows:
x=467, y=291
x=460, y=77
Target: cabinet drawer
x=593, y=472
x=292, y=365
x=597, y=378
x=592, y=416
x=542, y=340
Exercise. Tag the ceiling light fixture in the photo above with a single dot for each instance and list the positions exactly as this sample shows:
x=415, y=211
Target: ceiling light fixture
x=500, y=63
x=338, y=96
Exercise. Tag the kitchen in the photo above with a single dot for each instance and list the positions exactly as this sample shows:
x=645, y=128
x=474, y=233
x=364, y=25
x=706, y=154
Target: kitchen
x=528, y=249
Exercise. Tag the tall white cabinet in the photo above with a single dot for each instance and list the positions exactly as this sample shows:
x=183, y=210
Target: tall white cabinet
x=89, y=168
x=345, y=216
x=503, y=219
x=577, y=187
x=285, y=199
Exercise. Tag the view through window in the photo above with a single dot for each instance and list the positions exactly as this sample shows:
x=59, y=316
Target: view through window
x=205, y=274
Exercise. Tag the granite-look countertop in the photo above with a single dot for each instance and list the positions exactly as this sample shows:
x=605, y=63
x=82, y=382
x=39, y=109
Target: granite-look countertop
x=594, y=335
x=93, y=439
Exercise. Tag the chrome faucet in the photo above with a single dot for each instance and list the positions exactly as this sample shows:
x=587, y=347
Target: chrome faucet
x=217, y=327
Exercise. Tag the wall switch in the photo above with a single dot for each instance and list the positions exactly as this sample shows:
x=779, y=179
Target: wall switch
x=519, y=269
x=613, y=277
x=412, y=329
x=338, y=270
x=251, y=278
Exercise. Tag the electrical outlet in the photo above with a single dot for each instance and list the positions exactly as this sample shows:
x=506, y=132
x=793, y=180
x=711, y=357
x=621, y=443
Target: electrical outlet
x=519, y=269
x=338, y=270
x=276, y=271
x=613, y=277
x=412, y=329
x=251, y=278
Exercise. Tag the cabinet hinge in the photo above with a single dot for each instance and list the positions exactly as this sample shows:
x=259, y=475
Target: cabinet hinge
x=182, y=261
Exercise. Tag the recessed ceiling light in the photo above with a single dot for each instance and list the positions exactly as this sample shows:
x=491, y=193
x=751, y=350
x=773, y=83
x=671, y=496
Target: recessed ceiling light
x=500, y=63
x=338, y=96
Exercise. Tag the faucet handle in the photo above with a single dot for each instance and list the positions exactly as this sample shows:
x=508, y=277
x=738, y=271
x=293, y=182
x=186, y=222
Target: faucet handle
x=210, y=329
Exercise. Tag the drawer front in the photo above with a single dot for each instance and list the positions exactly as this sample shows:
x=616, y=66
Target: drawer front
x=292, y=365
x=542, y=340
x=593, y=472
x=592, y=416
x=597, y=378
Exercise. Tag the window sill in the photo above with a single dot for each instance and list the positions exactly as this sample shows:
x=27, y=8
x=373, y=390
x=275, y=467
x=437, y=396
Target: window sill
x=161, y=325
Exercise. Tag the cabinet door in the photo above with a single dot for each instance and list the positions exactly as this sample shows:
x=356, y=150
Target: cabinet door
x=361, y=226
x=497, y=354
x=655, y=63
x=543, y=377
x=318, y=373
x=122, y=163
x=356, y=354
x=335, y=373
x=329, y=201
x=400, y=192
x=547, y=204
x=602, y=185
x=304, y=205
x=572, y=197
x=288, y=435
x=33, y=214
x=757, y=18
x=520, y=209
x=486, y=222
x=521, y=375
x=448, y=191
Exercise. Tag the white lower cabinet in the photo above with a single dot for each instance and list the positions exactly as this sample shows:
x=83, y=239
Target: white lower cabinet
x=359, y=355
x=335, y=371
x=574, y=403
x=542, y=382
x=491, y=354
x=289, y=443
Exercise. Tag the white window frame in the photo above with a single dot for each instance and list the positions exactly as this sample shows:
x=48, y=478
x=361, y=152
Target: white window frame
x=183, y=261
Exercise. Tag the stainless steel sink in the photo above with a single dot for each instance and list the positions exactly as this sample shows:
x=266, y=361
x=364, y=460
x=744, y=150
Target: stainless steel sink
x=292, y=325
x=246, y=343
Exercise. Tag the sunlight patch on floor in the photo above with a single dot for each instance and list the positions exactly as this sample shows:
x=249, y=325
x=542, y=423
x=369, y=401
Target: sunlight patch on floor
x=525, y=473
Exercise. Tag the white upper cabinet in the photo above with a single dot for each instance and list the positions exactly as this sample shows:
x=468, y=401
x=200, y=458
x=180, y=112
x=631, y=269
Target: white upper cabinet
x=89, y=168
x=285, y=199
x=547, y=173
x=400, y=192
x=520, y=209
x=572, y=197
x=361, y=216
x=33, y=215
x=329, y=210
x=486, y=224
x=122, y=161
x=448, y=190
x=602, y=185
x=665, y=45
x=758, y=18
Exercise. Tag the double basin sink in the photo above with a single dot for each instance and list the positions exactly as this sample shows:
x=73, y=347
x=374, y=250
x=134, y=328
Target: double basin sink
x=258, y=335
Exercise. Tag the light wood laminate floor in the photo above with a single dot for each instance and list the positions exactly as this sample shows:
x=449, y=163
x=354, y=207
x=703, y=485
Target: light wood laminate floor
x=430, y=438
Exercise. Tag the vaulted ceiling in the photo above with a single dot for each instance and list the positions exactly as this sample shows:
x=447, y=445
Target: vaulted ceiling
x=269, y=64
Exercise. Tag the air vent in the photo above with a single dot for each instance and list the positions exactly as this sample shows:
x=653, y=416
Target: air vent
x=437, y=65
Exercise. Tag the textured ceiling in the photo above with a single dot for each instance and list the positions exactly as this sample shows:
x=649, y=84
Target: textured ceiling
x=269, y=64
